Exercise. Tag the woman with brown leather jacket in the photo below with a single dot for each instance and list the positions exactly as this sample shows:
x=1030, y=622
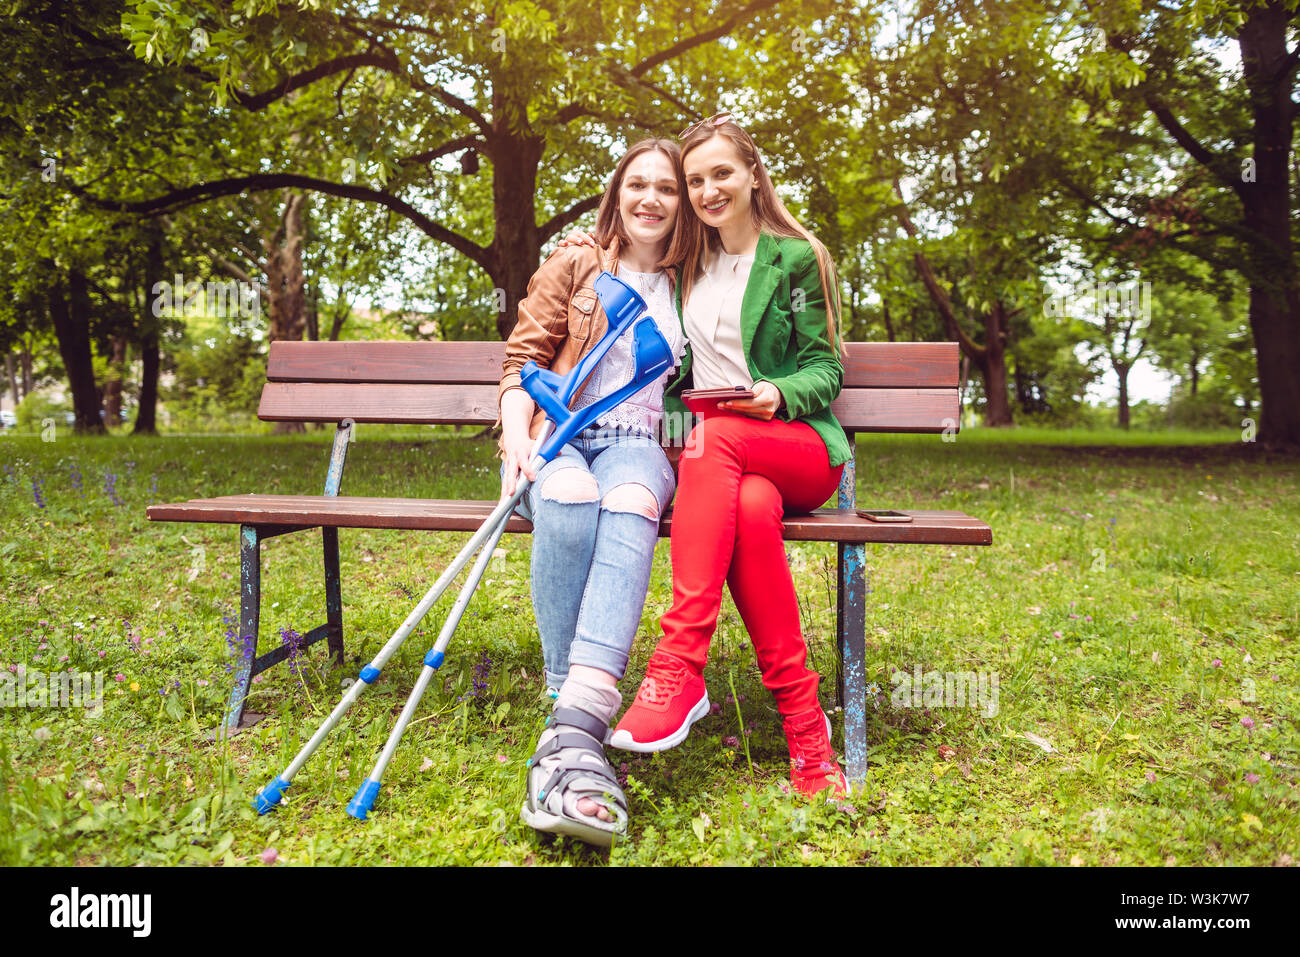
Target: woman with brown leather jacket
x=595, y=507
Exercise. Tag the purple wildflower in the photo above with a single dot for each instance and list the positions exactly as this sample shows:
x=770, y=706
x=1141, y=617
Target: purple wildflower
x=110, y=487
x=731, y=741
x=1252, y=777
x=36, y=492
x=74, y=474
x=482, y=668
x=1248, y=723
x=293, y=641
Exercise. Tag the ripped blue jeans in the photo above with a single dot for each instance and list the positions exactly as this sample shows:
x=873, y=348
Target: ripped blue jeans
x=591, y=563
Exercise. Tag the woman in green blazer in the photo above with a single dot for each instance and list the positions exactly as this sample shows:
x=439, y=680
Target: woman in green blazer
x=759, y=305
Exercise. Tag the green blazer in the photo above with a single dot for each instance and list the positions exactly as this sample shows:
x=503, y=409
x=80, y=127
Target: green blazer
x=784, y=346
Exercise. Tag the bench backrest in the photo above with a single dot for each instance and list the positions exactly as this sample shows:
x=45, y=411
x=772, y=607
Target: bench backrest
x=888, y=386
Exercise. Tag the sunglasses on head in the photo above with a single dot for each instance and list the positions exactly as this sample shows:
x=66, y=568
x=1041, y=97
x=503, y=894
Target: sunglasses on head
x=716, y=119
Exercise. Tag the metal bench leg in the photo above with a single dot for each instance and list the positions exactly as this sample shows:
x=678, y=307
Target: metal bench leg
x=333, y=594
x=851, y=620
x=250, y=607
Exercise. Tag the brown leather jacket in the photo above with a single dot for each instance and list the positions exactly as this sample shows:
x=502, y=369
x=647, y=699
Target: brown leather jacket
x=560, y=320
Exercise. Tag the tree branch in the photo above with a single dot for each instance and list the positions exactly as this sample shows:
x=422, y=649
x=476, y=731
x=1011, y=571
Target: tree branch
x=938, y=294
x=260, y=182
x=253, y=102
x=1193, y=147
x=454, y=102
x=560, y=220
x=681, y=46
x=572, y=111
x=469, y=141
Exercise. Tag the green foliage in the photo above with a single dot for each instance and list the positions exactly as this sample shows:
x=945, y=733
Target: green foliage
x=35, y=408
x=220, y=375
x=1140, y=628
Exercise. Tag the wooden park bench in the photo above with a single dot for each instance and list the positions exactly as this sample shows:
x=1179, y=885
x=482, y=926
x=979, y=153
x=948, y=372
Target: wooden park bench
x=888, y=387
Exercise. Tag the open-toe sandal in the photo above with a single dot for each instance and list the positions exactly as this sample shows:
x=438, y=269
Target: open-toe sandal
x=571, y=765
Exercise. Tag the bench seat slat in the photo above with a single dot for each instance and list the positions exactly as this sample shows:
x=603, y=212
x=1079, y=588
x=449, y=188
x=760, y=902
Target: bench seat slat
x=927, y=365
x=862, y=410
x=929, y=527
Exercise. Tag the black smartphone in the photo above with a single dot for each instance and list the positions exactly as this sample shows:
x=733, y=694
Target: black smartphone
x=884, y=515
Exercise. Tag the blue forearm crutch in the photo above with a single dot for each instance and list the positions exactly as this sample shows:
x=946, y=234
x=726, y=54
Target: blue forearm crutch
x=553, y=394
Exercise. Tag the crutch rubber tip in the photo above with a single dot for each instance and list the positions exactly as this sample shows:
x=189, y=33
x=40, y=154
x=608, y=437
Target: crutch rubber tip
x=364, y=800
x=368, y=674
x=434, y=659
x=269, y=796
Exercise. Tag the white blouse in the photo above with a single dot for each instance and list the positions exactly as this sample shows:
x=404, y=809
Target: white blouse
x=643, y=411
x=712, y=320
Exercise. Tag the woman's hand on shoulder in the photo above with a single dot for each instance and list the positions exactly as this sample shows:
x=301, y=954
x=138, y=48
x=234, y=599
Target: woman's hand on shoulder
x=767, y=399
x=578, y=237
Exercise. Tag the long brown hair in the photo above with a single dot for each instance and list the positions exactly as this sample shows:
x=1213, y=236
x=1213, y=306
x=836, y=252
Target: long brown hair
x=693, y=237
x=609, y=224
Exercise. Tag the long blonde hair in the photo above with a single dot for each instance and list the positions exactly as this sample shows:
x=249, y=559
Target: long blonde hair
x=692, y=237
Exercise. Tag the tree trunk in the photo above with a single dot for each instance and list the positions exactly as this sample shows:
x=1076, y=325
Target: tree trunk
x=516, y=248
x=284, y=273
x=336, y=327
x=71, y=317
x=1121, y=372
x=26, y=357
x=146, y=417
x=285, y=282
x=889, y=325
x=993, y=366
x=313, y=316
x=11, y=370
x=1196, y=373
x=1275, y=284
x=113, y=384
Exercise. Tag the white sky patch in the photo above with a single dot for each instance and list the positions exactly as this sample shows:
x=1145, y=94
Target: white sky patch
x=1145, y=383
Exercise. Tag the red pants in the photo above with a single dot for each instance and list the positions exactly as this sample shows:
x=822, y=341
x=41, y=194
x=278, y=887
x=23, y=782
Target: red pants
x=736, y=478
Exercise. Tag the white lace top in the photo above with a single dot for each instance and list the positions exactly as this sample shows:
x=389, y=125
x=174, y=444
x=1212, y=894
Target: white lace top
x=643, y=411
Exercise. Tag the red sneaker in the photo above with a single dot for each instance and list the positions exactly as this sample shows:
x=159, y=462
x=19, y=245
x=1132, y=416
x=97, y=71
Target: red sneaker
x=671, y=698
x=812, y=760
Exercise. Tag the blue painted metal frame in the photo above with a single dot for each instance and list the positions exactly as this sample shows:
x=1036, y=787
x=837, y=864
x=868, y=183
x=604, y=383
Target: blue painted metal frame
x=850, y=630
x=249, y=664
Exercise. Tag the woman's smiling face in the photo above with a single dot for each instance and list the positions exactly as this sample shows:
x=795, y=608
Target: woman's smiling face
x=719, y=183
x=648, y=199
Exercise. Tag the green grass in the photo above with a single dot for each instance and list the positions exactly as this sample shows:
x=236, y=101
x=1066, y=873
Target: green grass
x=1139, y=603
